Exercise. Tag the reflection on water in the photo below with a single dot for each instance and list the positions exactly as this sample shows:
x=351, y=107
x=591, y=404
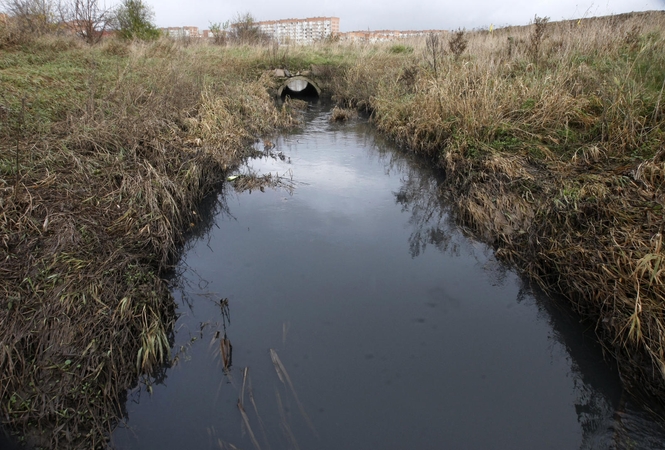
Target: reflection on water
x=363, y=318
x=420, y=196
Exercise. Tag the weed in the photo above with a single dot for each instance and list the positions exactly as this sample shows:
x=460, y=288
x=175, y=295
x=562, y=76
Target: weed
x=537, y=36
x=458, y=43
x=434, y=51
x=342, y=114
x=400, y=48
x=511, y=46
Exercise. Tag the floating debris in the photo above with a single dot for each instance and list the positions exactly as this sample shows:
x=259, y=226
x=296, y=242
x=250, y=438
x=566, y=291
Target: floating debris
x=249, y=182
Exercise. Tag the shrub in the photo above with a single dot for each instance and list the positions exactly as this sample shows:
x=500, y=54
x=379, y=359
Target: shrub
x=399, y=48
x=89, y=19
x=35, y=17
x=245, y=31
x=134, y=18
x=458, y=43
x=219, y=32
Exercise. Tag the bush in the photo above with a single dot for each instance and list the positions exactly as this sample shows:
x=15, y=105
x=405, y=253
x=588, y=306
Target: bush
x=219, y=31
x=134, y=19
x=10, y=35
x=458, y=43
x=89, y=19
x=244, y=31
x=399, y=48
x=29, y=18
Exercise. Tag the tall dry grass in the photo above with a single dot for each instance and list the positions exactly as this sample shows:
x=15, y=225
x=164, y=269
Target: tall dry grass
x=105, y=154
x=556, y=155
x=554, y=150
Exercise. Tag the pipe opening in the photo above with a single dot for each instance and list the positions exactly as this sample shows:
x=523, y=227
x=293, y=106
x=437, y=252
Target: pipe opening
x=299, y=87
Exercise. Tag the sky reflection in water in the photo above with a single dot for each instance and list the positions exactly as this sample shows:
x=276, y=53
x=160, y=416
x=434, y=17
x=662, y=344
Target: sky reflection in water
x=392, y=328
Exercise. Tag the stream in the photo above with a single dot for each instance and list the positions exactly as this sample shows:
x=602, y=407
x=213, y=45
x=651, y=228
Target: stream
x=346, y=310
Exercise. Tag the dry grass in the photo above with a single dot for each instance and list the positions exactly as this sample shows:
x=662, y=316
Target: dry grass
x=343, y=114
x=117, y=145
x=553, y=146
x=556, y=157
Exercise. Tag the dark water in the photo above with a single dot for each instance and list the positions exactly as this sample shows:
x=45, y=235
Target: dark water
x=389, y=328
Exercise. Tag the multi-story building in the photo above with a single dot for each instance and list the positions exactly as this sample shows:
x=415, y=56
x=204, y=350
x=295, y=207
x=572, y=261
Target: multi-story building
x=181, y=32
x=385, y=35
x=306, y=31
x=300, y=31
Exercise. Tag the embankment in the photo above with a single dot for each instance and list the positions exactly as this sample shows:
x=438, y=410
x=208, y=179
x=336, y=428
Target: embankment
x=106, y=153
x=552, y=140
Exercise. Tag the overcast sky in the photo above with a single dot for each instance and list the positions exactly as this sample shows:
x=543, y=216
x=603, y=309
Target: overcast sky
x=393, y=14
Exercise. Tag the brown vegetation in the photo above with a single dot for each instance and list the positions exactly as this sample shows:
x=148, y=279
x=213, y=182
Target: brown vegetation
x=105, y=154
x=551, y=137
x=342, y=114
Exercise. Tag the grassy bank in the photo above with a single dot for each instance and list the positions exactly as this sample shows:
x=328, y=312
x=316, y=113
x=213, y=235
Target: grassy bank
x=552, y=139
x=105, y=154
x=552, y=144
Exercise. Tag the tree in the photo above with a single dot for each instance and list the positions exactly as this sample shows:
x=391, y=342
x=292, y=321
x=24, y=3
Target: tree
x=34, y=17
x=134, y=20
x=89, y=18
x=244, y=30
x=219, y=32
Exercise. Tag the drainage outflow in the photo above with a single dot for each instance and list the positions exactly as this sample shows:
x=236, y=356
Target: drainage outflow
x=300, y=87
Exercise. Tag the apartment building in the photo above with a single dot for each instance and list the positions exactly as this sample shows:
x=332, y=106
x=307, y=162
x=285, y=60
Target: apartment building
x=300, y=31
x=181, y=32
x=385, y=35
x=307, y=31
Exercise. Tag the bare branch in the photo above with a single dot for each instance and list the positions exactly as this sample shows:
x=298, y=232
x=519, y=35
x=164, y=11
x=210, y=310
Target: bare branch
x=89, y=19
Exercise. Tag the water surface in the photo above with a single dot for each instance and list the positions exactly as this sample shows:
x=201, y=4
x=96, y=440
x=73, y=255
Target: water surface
x=361, y=317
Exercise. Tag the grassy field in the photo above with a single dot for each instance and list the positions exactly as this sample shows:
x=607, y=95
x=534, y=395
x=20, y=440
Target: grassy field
x=551, y=137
